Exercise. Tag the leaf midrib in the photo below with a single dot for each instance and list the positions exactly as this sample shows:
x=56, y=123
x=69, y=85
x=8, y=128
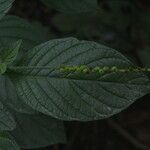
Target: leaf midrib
x=81, y=80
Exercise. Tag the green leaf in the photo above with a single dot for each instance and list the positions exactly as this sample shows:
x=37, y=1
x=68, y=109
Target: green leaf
x=6, y=120
x=7, y=142
x=9, y=97
x=73, y=6
x=14, y=28
x=9, y=53
x=2, y=68
x=5, y=5
x=35, y=131
x=40, y=84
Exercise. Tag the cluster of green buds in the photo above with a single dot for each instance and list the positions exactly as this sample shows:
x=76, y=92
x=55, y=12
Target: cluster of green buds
x=97, y=69
x=81, y=69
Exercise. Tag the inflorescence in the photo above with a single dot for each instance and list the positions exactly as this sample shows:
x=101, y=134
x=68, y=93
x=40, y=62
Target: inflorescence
x=86, y=70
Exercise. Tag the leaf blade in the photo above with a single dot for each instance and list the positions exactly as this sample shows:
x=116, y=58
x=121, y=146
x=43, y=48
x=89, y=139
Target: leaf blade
x=81, y=98
x=5, y=5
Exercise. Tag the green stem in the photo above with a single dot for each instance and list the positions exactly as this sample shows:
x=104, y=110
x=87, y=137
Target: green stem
x=83, y=69
x=29, y=67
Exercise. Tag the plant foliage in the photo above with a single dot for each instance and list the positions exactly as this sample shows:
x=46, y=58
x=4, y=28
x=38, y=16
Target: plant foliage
x=45, y=81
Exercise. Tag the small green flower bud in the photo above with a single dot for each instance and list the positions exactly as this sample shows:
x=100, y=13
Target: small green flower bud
x=78, y=69
x=83, y=67
x=130, y=69
x=62, y=70
x=122, y=70
x=70, y=68
x=96, y=69
x=101, y=71
x=143, y=69
x=114, y=68
x=105, y=68
x=85, y=70
x=136, y=70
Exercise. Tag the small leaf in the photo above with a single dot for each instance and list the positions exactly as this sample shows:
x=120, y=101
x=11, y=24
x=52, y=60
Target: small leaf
x=5, y=5
x=35, y=131
x=82, y=97
x=7, y=142
x=13, y=28
x=9, y=54
x=2, y=68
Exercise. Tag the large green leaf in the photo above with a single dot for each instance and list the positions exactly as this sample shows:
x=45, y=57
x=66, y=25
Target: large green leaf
x=80, y=97
x=6, y=120
x=7, y=142
x=35, y=131
x=14, y=28
x=5, y=6
x=73, y=6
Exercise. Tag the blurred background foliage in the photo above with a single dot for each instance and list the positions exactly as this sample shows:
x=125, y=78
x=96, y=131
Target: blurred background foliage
x=121, y=24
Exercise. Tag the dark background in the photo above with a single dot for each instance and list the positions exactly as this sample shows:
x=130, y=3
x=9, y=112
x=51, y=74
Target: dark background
x=129, y=130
